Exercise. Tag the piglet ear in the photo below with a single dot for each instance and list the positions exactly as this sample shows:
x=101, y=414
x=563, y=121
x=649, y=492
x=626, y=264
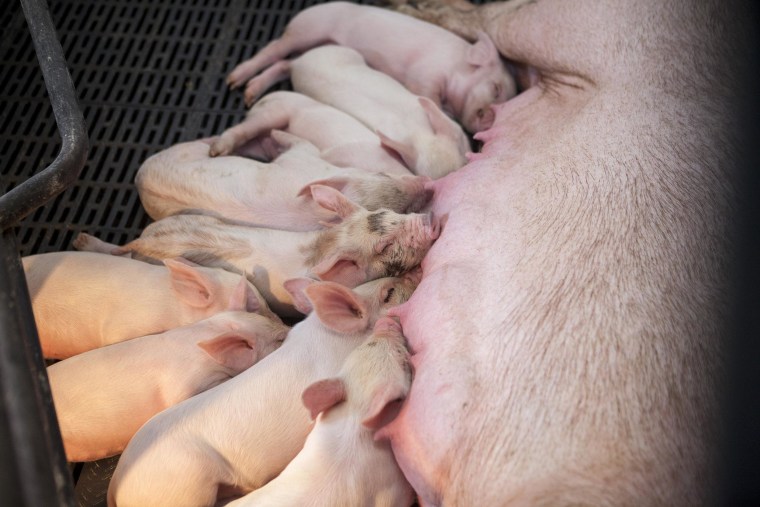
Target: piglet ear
x=334, y=201
x=243, y=299
x=323, y=395
x=406, y=152
x=337, y=182
x=338, y=307
x=483, y=51
x=385, y=404
x=340, y=268
x=295, y=287
x=191, y=285
x=440, y=123
x=231, y=350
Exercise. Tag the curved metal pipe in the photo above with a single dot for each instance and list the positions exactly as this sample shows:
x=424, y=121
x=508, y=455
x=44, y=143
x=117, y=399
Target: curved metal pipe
x=65, y=169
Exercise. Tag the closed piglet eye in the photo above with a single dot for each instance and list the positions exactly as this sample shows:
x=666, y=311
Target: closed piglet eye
x=382, y=246
x=481, y=112
x=496, y=91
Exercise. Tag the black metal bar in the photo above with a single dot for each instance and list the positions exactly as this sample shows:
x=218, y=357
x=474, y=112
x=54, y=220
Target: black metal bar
x=65, y=169
x=32, y=459
x=35, y=473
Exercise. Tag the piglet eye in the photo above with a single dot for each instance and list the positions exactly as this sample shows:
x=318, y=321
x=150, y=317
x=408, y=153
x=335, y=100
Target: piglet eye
x=389, y=295
x=481, y=112
x=496, y=92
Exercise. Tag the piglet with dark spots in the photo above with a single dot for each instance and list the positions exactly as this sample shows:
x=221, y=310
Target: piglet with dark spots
x=356, y=246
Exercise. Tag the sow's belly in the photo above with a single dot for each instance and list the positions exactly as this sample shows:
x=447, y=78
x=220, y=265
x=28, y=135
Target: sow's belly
x=451, y=319
x=471, y=319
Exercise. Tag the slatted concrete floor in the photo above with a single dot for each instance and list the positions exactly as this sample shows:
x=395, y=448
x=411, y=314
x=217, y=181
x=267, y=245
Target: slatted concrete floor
x=148, y=74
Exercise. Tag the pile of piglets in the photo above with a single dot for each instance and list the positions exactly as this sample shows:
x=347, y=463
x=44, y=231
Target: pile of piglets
x=173, y=349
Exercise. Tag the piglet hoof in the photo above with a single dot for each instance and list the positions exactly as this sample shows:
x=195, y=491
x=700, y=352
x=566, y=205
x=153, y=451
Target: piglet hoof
x=86, y=243
x=233, y=81
x=252, y=92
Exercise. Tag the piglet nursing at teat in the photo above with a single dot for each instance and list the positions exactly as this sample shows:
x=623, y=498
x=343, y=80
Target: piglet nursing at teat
x=463, y=79
x=414, y=127
x=233, y=439
x=356, y=247
x=341, y=463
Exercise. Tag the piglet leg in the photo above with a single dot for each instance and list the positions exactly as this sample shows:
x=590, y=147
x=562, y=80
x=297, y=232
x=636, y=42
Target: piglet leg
x=280, y=71
x=265, y=116
x=87, y=243
x=307, y=30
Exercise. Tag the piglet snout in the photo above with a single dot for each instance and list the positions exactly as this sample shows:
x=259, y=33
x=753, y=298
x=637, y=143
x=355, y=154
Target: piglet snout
x=389, y=329
x=413, y=276
x=420, y=187
x=421, y=230
x=432, y=224
x=387, y=325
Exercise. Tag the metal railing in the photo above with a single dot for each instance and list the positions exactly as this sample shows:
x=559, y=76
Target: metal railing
x=32, y=459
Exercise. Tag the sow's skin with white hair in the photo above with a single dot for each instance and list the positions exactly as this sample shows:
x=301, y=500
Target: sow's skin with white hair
x=590, y=240
x=341, y=463
x=236, y=437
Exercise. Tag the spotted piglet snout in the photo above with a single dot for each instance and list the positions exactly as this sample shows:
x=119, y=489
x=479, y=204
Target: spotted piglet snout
x=420, y=231
x=424, y=230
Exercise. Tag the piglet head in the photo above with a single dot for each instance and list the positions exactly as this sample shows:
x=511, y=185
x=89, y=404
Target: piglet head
x=367, y=245
x=373, y=381
x=385, y=294
x=489, y=83
x=210, y=290
x=345, y=310
x=338, y=307
x=436, y=152
x=372, y=191
x=251, y=338
x=191, y=284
